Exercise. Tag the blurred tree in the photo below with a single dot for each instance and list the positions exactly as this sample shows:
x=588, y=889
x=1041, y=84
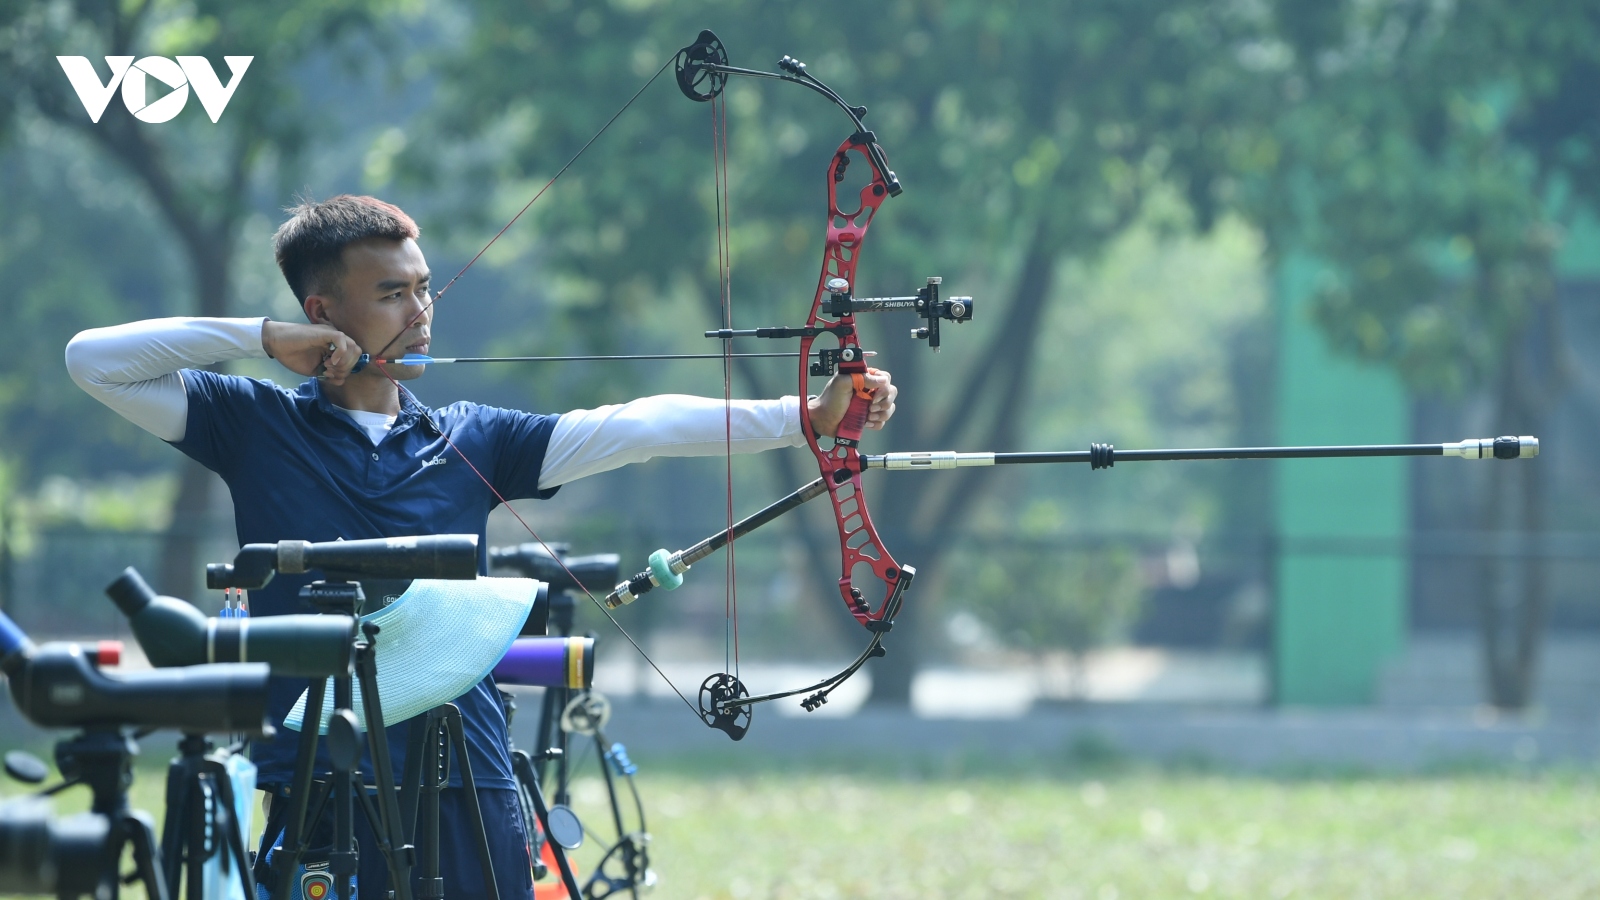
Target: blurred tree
x=1027, y=135
x=197, y=175
x=1082, y=600
x=1434, y=155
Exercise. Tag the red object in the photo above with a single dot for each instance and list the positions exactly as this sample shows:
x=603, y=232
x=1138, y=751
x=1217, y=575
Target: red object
x=108, y=653
x=552, y=888
x=859, y=544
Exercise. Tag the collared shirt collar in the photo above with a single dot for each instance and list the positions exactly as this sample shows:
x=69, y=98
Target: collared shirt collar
x=411, y=409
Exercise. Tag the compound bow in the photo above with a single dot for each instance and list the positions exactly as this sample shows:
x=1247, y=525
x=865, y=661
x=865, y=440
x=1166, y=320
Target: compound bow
x=702, y=71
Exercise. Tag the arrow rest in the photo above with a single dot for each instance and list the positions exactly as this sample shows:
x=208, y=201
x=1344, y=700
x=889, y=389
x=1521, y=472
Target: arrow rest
x=696, y=81
x=716, y=693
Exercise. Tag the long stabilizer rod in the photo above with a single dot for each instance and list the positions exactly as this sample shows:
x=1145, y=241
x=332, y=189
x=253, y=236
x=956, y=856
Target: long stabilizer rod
x=666, y=567
x=1102, y=456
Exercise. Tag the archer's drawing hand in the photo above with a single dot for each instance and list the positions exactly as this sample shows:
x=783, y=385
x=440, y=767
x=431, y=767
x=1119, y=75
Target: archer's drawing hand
x=307, y=349
x=829, y=407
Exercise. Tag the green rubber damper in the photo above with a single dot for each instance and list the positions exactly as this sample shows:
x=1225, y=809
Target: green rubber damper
x=661, y=570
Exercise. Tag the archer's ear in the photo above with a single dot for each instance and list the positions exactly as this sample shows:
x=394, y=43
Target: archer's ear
x=316, y=309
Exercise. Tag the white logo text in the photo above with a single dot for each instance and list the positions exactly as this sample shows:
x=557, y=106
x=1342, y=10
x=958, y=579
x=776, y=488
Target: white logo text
x=186, y=72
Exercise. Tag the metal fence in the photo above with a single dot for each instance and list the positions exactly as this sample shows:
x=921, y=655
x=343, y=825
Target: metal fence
x=1214, y=593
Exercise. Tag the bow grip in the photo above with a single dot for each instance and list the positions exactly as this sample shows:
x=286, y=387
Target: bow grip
x=855, y=418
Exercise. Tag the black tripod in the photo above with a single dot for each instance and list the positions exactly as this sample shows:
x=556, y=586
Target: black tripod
x=200, y=823
x=103, y=760
x=434, y=735
x=344, y=789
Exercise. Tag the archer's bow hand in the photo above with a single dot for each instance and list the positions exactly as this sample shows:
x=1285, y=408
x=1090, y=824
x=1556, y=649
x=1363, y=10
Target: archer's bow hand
x=829, y=407
x=306, y=349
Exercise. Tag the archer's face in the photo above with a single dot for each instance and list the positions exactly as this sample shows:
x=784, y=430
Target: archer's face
x=384, y=302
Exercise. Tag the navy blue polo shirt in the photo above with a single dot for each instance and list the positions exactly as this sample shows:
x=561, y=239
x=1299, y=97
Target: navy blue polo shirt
x=301, y=470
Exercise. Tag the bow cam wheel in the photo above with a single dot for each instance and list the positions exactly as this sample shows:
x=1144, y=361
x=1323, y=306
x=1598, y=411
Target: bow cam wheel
x=696, y=81
x=716, y=693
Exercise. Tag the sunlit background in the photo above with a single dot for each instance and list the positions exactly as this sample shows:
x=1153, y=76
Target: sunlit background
x=1184, y=223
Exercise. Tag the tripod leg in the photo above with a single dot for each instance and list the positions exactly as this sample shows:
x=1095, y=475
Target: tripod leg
x=549, y=712
x=458, y=741
x=286, y=862
x=202, y=794
x=136, y=828
x=432, y=781
x=399, y=855
x=230, y=839
x=344, y=859
x=411, y=781
x=173, y=822
x=523, y=768
x=563, y=779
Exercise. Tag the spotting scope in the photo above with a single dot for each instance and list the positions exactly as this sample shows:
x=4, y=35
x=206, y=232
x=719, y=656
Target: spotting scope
x=61, y=685
x=174, y=633
x=597, y=572
x=427, y=556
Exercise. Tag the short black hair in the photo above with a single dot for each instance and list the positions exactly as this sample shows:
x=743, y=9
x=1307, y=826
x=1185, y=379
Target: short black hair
x=310, y=246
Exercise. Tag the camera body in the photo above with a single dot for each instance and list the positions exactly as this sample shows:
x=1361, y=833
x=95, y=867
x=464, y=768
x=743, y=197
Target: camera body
x=40, y=854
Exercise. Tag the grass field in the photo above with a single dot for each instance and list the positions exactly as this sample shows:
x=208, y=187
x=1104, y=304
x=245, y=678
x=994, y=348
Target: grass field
x=1108, y=831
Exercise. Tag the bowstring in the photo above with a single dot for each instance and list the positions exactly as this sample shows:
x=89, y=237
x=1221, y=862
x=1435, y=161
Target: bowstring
x=719, y=166
x=559, y=172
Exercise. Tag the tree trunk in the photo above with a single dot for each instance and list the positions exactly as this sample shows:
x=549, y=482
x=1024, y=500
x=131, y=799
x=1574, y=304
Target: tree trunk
x=180, y=547
x=180, y=563
x=207, y=240
x=924, y=516
x=1515, y=595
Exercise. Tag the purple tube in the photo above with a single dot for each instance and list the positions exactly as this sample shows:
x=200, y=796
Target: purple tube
x=12, y=638
x=559, y=662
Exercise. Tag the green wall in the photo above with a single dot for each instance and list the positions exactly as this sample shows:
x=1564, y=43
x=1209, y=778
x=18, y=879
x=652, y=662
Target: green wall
x=1341, y=610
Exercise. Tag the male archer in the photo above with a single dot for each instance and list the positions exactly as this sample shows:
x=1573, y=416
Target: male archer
x=353, y=455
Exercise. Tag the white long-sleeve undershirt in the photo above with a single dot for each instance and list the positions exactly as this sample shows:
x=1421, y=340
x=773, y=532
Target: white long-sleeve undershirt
x=134, y=368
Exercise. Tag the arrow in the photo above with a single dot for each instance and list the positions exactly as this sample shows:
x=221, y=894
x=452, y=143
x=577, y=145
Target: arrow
x=417, y=359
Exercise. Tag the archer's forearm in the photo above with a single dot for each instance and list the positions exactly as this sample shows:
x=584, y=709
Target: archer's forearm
x=589, y=441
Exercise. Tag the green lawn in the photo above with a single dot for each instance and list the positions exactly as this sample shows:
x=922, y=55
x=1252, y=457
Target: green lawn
x=1101, y=832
